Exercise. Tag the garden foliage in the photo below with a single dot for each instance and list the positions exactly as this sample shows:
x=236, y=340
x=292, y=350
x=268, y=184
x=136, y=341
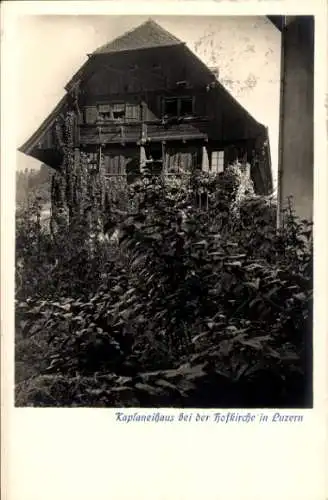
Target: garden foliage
x=199, y=302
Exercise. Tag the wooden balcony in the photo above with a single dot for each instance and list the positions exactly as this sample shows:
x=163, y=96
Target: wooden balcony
x=132, y=132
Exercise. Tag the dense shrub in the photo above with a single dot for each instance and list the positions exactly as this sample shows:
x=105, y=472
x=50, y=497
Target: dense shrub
x=202, y=302
x=69, y=263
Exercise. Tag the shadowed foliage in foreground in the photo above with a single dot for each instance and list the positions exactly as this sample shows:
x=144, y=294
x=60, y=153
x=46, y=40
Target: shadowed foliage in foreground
x=201, y=303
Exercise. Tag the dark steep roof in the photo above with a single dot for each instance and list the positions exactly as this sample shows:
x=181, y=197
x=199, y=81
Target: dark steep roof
x=146, y=36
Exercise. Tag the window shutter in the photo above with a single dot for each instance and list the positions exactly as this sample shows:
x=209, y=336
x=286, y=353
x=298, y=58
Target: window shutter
x=107, y=163
x=115, y=164
x=122, y=165
x=129, y=112
x=132, y=112
x=91, y=114
x=114, y=168
x=205, y=159
x=221, y=161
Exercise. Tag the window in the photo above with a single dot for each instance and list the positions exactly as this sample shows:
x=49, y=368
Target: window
x=171, y=107
x=182, y=159
x=217, y=162
x=178, y=106
x=153, y=152
x=118, y=111
x=186, y=106
x=93, y=161
x=154, y=159
x=104, y=112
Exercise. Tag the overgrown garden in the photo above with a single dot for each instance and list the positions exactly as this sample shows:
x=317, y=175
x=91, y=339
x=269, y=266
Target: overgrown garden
x=199, y=301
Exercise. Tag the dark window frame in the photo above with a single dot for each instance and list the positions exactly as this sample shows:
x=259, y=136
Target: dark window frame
x=191, y=101
x=178, y=100
x=167, y=101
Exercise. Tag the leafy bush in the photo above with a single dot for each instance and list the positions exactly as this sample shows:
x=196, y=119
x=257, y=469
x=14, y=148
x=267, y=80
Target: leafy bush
x=69, y=263
x=202, y=303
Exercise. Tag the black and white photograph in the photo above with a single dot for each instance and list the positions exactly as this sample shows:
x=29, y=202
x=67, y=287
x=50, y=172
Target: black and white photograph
x=164, y=212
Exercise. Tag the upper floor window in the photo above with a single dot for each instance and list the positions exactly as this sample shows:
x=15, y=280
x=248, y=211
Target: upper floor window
x=186, y=106
x=112, y=112
x=171, y=107
x=104, y=112
x=118, y=111
x=178, y=106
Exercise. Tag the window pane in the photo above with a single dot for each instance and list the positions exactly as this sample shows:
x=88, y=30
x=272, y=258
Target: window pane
x=118, y=111
x=171, y=107
x=217, y=162
x=186, y=107
x=117, y=115
x=153, y=152
x=104, y=112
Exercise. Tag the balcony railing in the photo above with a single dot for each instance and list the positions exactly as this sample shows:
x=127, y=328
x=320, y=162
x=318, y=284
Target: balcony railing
x=110, y=133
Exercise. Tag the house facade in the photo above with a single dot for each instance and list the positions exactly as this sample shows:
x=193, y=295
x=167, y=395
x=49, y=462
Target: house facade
x=144, y=99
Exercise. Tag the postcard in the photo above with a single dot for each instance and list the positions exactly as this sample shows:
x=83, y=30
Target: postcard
x=164, y=259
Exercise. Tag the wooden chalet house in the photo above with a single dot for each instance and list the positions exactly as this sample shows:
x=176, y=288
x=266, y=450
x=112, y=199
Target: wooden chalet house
x=145, y=97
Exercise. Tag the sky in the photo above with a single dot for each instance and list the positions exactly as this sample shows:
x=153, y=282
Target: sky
x=245, y=49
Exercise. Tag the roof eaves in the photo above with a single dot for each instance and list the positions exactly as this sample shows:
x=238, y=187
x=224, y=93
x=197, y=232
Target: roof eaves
x=45, y=125
x=79, y=72
x=226, y=91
